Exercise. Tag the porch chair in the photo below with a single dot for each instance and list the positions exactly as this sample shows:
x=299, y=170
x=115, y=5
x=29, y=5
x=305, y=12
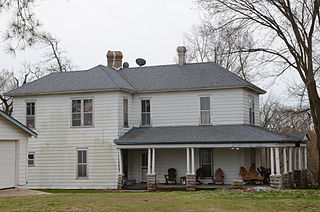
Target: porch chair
x=218, y=177
x=199, y=175
x=171, y=176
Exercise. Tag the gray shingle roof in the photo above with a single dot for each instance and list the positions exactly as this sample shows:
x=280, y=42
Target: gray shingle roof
x=139, y=79
x=203, y=134
x=18, y=124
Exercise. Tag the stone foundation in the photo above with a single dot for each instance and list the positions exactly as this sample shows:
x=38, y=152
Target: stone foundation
x=151, y=182
x=304, y=176
x=286, y=181
x=120, y=181
x=297, y=175
x=191, y=182
x=276, y=181
x=291, y=180
x=237, y=184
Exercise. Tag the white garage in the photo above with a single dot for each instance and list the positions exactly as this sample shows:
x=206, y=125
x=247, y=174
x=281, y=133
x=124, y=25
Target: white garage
x=13, y=151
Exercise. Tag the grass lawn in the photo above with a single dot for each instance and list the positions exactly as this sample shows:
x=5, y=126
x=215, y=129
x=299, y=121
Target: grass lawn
x=217, y=200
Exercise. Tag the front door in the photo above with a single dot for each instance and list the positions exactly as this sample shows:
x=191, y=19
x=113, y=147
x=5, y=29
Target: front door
x=144, y=166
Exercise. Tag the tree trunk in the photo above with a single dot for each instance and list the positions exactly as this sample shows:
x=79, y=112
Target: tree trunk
x=314, y=101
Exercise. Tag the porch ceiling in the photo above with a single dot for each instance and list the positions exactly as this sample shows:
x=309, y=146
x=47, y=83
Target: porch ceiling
x=218, y=134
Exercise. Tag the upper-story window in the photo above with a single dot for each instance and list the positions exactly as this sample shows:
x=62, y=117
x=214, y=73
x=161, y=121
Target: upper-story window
x=205, y=110
x=82, y=115
x=251, y=110
x=31, y=115
x=145, y=113
x=125, y=113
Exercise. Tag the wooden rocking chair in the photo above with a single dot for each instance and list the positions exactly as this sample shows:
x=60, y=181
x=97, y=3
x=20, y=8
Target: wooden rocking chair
x=171, y=176
x=218, y=177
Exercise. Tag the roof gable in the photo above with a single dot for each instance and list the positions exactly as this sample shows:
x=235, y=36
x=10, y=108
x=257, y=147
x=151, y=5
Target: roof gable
x=18, y=124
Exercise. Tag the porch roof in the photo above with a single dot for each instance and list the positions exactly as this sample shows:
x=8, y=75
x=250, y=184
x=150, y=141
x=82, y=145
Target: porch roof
x=217, y=134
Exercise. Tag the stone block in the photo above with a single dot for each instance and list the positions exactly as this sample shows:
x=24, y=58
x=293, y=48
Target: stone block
x=286, y=181
x=191, y=182
x=151, y=182
x=276, y=181
x=120, y=181
x=297, y=175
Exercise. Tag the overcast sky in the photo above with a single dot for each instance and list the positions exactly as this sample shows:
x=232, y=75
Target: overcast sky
x=150, y=29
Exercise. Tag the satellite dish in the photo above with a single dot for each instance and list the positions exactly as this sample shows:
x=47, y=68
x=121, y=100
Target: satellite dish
x=125, y=65
x=140, y=62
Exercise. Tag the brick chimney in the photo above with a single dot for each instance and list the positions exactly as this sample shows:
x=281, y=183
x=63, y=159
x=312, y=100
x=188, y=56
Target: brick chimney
x=181, y=55
x=114, y=59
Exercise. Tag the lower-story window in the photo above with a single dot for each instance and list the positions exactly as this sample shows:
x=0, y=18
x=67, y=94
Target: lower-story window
x=82, y=166
x=206, y=162
x=31, y=159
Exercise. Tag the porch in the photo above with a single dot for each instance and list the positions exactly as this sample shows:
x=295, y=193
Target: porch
x=196, y=163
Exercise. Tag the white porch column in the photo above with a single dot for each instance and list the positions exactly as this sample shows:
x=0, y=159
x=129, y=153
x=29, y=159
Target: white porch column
x=285, y=169
x=277, y=162
x=149, y=161
x=305, y=158
x=120, y=161
x=188, y=161
x=295, y=158
x=299, y=159
x=272, y=161
x=153, y=160
x=192, y=161
x=290, y=159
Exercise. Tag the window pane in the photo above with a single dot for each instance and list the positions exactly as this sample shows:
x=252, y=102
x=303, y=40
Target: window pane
x=87, y=105
x=204, y=103
x=30, y=156
x=82, y=170
x=30, y=162
x=125, y=120
x=79, y=156
x=30, y=108
x=76, y=106
x=145, y=119
x=205, y=117
x=206, y=156
x=145, y=105
x=88, y=119
x=30, y=122
x=76, y=119
x=206, y=170
x=84, y=156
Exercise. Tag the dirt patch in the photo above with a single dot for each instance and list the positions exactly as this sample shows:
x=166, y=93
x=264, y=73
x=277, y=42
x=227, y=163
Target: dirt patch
x=19, y=192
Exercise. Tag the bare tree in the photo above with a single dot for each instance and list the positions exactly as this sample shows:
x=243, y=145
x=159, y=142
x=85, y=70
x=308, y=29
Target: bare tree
x=9, y=81
x=23, y=24
x=291, y=37
x=223, y=46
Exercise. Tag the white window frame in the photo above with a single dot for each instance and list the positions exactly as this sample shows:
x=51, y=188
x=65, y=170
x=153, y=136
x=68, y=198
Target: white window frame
x=82, y=112
x=150, y=124
x=34, y=159
x=31, y=116
x=210, y=118
x=252, y=118
x=125, y=113
x=77, y=164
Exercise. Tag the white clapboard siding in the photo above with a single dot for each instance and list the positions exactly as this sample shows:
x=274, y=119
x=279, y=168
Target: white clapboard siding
x=56, y=146
x=10, y=132
x=228, y=160
x=228, y=106
x=57, y=143
x=246, y=105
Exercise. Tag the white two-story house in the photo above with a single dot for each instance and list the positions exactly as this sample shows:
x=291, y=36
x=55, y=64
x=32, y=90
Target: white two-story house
x=108, y=125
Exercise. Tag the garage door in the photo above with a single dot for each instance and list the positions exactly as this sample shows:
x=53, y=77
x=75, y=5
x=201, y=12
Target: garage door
x=7, y=164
